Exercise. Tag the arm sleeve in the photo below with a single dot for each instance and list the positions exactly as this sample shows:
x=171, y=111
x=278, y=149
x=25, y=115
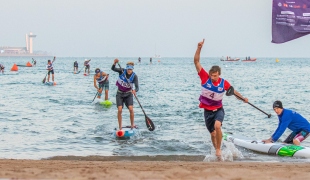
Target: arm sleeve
x=281, y=127
x=204, y=76
x=136, y=82
x=119, y=70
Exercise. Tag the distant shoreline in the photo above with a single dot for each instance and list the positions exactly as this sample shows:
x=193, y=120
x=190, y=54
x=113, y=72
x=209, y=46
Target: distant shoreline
x=24, y=55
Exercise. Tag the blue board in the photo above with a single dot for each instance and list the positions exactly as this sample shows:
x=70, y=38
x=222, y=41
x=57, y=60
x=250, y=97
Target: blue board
x=50, y=83
x=126, y=132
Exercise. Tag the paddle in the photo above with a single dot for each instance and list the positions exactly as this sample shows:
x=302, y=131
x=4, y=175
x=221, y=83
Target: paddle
x=80, y=70
x=45, y=77
x=95, y=96
x=231, y=92
x=149, y=123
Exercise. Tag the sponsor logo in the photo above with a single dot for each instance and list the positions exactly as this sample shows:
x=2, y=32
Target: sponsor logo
x=304, y=6
x=220, y=89
x=208, y=85
x=285, y=5
x=296, y=6
x=280, y=4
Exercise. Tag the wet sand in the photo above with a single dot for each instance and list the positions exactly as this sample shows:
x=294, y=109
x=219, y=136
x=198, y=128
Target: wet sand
x=81, y=169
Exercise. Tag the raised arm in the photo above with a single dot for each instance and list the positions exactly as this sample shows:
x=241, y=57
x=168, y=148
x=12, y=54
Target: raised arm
x=197, y=56
x=54, y=59
x=119, y=70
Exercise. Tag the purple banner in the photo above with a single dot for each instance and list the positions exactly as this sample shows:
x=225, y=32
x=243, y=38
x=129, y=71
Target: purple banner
x=290, y=20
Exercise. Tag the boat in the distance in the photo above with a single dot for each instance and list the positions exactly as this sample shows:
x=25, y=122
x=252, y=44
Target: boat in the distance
x=249, y=60
x=229, y=59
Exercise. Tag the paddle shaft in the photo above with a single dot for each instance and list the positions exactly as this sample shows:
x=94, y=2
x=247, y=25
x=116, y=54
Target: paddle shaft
x=81, y=70
x=269, y=115
x=95, y=96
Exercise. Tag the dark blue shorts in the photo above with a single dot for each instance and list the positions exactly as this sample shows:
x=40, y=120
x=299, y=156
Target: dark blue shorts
x=212, y=116
x=52, y=71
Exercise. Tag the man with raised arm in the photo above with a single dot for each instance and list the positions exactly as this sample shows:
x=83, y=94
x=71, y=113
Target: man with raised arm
x=127, y=78
x=213, y=88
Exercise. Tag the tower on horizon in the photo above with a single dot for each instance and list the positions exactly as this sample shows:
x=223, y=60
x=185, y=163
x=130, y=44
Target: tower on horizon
x=29, y=42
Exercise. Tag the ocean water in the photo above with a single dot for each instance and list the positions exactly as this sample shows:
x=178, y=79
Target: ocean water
x=39, y=121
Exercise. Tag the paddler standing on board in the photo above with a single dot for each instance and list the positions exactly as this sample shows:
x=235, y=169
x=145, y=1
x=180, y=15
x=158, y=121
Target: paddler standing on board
x=125, y=90
x=213, y=88
x=50, y=69
x=2, y=68
x=87, y=66
x=75, y=67
x=291, y=120
x=103, y=83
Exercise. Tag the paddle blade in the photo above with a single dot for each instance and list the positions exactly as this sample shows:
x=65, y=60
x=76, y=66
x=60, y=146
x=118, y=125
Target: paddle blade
x=44, y=80
x=149, y=124
x=230, y=91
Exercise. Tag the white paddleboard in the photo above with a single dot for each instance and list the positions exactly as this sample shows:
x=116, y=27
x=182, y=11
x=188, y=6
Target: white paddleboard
x=279, y=149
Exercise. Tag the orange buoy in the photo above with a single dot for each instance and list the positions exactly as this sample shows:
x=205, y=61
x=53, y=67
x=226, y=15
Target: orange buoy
x=54, y=83
x=29, y=64
x=14, y=68
x=120, y=133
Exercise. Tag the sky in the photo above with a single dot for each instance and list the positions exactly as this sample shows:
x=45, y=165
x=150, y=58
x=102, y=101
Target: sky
x=133, y=28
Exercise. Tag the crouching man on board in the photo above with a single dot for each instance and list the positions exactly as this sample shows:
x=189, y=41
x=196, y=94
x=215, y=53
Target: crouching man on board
x=292, y=120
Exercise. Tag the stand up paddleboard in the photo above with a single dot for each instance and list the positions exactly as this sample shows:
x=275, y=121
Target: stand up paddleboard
x=50, y=83
x=125, y=133
x=106, y=103
x=279, y=149
x=86, y=74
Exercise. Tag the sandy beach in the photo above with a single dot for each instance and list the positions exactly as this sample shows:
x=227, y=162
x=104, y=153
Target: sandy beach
x=75, y=169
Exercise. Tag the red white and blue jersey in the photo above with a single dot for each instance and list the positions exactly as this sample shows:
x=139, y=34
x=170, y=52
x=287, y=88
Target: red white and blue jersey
x=211, y=92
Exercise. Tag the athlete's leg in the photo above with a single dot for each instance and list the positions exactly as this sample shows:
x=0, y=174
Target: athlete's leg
x=302, y=135
x=106, y=94
x=132, y=116
x=218, y=136
x=119, y=116
x=119, y=103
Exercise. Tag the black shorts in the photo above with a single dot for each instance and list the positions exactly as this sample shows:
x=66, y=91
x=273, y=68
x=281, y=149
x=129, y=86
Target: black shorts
x=87, y=67
x=212, y=116
x=124, y=97
x=52, y=71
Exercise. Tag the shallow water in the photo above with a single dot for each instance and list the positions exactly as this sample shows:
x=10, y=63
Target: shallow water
x=39, y=121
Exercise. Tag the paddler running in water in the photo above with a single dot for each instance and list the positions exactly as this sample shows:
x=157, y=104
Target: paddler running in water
x=2, y=68
x=103, y=83
x=125, y=90
x=213, y=88
x=50, y=69
x=87, y=66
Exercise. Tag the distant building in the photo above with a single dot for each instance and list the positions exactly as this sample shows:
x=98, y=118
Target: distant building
x=22, y=51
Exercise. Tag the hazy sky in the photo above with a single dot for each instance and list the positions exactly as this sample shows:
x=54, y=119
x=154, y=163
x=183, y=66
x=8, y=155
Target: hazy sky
x=132, y=28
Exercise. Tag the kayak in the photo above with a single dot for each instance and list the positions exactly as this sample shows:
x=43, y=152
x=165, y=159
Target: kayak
x=279, y=149
x=125, y=133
